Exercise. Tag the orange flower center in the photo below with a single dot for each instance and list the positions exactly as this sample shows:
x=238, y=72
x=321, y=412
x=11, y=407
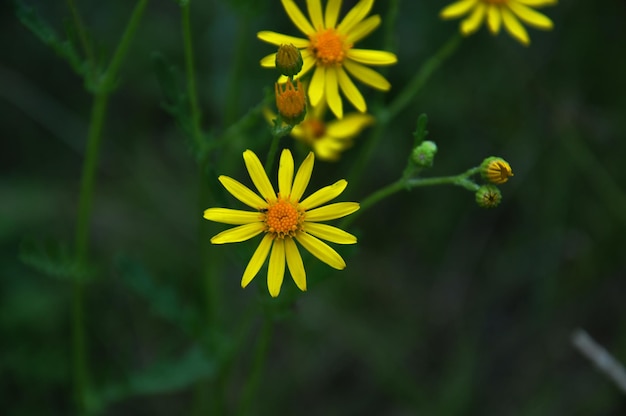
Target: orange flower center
x=329, y=47
x=283, y=218
x=315, y=128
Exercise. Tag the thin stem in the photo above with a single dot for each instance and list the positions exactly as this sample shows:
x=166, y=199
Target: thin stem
x=85, y=203
x=402, y=100
x=271, y=155
x=461, y=180
x=194, y=108
x=260, y=356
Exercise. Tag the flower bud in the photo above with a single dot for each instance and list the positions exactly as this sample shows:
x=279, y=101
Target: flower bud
x=496, y=170
x=288, y=60
x=291, y=102
x=424, y=154
x=488, y=196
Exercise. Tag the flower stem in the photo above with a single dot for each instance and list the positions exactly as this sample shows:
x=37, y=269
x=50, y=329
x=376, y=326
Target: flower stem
x=461, y=180
x=85, y=203
x=260, y=356
x=402, y=100
x=194, y=108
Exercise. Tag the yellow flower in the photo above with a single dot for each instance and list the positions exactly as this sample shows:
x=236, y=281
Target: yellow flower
x=327, y=138
x=496, y=170
x=329, y=47
x=498, y=12
x=284, y=218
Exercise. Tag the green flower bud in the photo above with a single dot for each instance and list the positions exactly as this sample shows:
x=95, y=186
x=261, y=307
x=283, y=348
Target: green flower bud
x=496, y=170
x=288, y=60
x=488, y=196
x=424, y=154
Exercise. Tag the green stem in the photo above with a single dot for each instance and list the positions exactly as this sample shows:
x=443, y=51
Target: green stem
x=461, y=180
x=402, y=100
x=194, y=108
x=260, y=356
x=271, y=155
x=84, y=40
x=85, y=203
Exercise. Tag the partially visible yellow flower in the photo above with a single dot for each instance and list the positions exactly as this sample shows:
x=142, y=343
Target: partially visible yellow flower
x=291, y=101
x=284, y=218
x=328, y=138
x=498, y=12
x=329, y=46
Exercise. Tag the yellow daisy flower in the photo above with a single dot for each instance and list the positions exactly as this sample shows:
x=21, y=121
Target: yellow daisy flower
x=327, y=138
x=498, y=12
x=284, y=218
x=329, y=47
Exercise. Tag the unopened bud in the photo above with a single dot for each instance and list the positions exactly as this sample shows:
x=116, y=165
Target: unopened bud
x=288, y=60
x=496, y=170
x=424, y=154
x=488, y=196
x=291, y=102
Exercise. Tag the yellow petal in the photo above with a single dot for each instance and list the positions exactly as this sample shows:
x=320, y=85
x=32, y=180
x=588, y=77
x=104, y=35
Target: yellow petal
x=315, y=13
x=473, y=22
x=354, y=16
x=349, y=126
x=366, y=75
x=269, y=61
x=530, y=16
x=316, y=88
x=332, y=13
x=285, y=173
x=297, y=17
x=457, y=9
x=276, y=269
x=324, y=195
x=514, y=27
x=258, y=175
x=329, y=233
x=302, y=178
x=321, y=250
x=350, y=90
x=372, y=57
x=280, y=39
x=332, y=211
x=242, y=193
x=239, y=234
x=294, y=262
x=363, y=29
x=332, y=92
x=257, y=260
x=494, y=18
x=231, y=216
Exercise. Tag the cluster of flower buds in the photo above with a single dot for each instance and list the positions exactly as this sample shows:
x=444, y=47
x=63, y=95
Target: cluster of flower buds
x=290, y=98
x=496, y=171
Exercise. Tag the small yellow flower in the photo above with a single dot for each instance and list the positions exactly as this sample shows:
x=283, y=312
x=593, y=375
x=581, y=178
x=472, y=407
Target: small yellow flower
x=329, y=47
x=291, y=102
x=284, y=218
x=328, y=138
x=498, y=12
x=496, y=170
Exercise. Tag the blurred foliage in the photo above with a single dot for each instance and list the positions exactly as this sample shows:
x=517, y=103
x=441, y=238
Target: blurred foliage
x=444, y=308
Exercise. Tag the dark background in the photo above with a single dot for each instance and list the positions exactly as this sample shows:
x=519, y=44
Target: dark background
x=444, y=308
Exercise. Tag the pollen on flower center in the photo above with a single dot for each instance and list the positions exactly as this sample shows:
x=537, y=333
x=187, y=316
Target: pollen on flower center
x=329, y=47
x=283, y=218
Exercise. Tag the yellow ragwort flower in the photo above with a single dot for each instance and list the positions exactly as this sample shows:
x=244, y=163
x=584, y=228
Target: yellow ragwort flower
x=329, y=47
x=328, y=138
x=498, y=12
x=284, y=218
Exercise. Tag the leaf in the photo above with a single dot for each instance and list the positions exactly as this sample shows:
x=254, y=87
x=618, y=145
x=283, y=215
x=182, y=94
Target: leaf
x=53, y=259
x=65, y=49
x=164, y=302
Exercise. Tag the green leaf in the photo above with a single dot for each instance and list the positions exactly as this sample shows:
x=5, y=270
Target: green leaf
x=65, y=49
x=53, y=259
x=162, y=377
x=163, y=301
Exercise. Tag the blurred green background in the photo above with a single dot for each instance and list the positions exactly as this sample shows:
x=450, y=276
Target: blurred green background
x=444, y=308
